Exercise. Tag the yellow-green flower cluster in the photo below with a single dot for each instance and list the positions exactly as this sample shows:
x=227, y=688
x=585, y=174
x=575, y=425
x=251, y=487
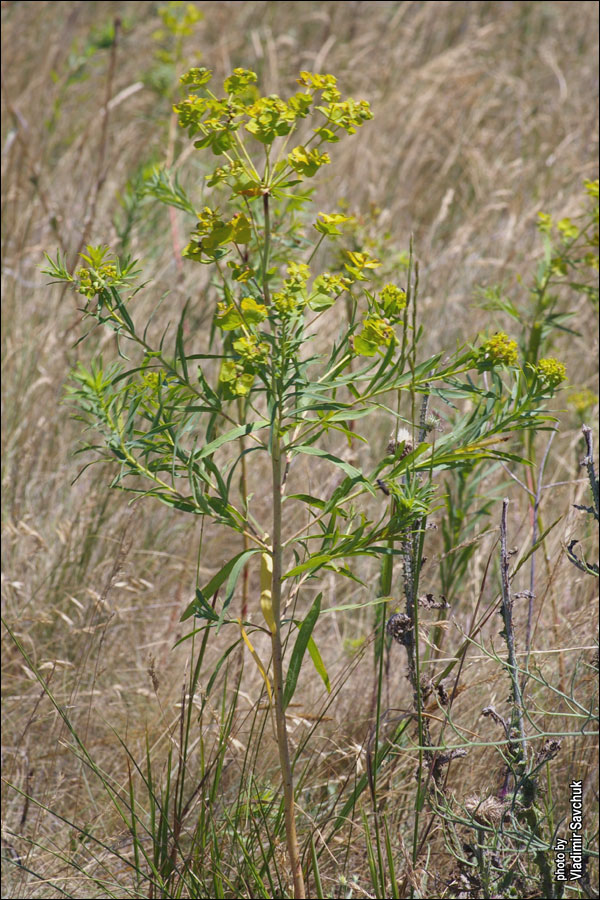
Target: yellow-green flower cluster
x=293, y=295
x=358, y=262
x=325, y=83
x=248, y=312
x=251, y=351
x=196, y=77
x=285, y=302
x=327, y=223
x=392, y=300
x=298, y=273
x=179, y=19
x=91, y=282
x=215, y=120
x=233, y=169
x=240, y=272
x=235, y=380
x=551, y=372
x=326, y=289
x=237, y=375
x=499, y=350
x=348, y=114
x=307, y=162
x=376, y=332
x=239, y=81
x=332, y=284
x=149, y=389
x=213, y=233
x=568, y=229
x=270, y=117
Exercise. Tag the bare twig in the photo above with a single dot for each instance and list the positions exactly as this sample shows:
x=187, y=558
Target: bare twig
x=588, y=462
x=509, y=633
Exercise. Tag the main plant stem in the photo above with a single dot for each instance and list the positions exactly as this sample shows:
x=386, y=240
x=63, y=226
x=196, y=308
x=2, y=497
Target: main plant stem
x=282, y=737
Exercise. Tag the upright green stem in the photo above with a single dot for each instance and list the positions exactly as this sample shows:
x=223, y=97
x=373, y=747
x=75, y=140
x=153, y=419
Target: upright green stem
x=266, y=249
x=282, y=737
x=244, y=503
x=276, y=580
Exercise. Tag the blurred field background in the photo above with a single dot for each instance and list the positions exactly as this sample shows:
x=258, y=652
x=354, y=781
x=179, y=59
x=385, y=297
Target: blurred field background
x=485, y=114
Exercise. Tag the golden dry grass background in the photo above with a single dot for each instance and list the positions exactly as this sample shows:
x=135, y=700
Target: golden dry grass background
x=485, y=113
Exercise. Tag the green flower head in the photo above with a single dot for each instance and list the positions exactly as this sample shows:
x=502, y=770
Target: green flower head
x=285, y=302
x=392, y=299
x=551, y=372
x=91, y=282
x=499, y=350
x=377, y=332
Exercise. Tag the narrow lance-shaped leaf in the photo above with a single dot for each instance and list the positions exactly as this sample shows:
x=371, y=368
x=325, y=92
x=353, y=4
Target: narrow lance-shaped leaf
x=344, y=466
x=258, y=662
x=299, y=650
x=231, y=435
x=318, y=663
x=232, y=581
x=179, y=344
x=215, y=583
x=122, y=309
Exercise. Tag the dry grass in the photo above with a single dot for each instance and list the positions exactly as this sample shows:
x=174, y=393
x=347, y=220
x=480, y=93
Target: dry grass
x=485, y=113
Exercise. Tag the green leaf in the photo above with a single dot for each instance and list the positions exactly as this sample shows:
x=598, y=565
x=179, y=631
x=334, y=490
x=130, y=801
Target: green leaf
x=354, y=606
x=327, y=224
x=307, y=498
x=122, y=309
x=202, y=608
x=299, y=650
x=229, y=319
x=344, y=466
x=238, y=565
x=314, y=562
x=242, y=231
x=252, y=311
x=347, y=413
x=406, y=463
x=228, y=371
x=179, y=344
x=232, y=435
x=318, y=663
x=363, y=347
x=158, y=185
x=233, y=565
x=319, y=301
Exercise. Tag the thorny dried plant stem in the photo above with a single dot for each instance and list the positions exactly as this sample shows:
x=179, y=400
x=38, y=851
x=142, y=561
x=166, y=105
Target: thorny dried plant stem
x=588, y=462
x=412, y=556
x=282, y=737
x=509, y=632
x=412, y=551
